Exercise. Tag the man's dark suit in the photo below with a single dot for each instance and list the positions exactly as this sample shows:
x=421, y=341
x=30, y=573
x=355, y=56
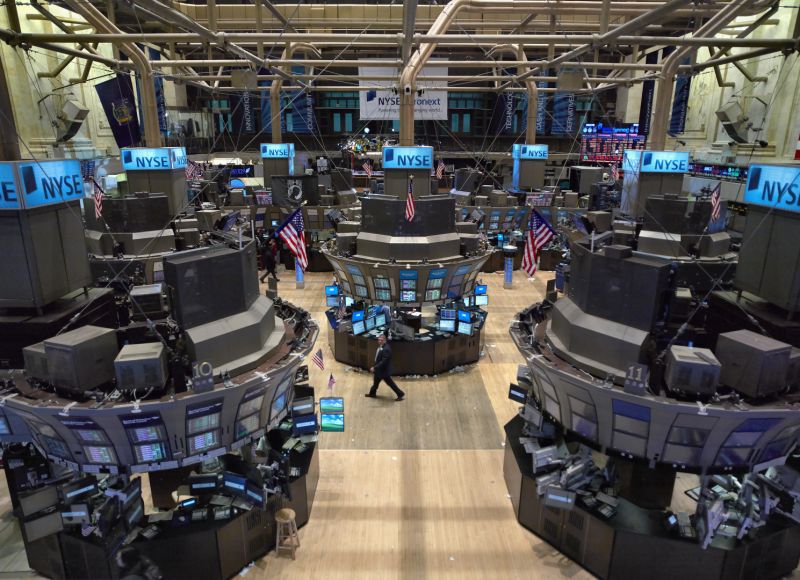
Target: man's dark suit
x=383, y=371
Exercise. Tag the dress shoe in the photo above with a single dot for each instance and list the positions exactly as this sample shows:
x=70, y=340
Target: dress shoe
x=370, y=396
x=401, y=397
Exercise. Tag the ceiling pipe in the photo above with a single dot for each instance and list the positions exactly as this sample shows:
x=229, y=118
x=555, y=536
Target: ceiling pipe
x=147, y=90
x=409, y=17
x=530, y=86
x=748, y=30
x=666, y=83
x=275, y=86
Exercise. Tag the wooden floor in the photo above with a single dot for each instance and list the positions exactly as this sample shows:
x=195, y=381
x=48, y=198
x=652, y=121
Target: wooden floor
x=411, y=489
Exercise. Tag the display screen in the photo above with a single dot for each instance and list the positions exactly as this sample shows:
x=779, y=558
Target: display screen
x=331, y=405
x=381, y=282
x=358, y=315
x=480, y=289
x=464, y=316
x=149, y=453
x=465, y=328
x=447, y=325
x=90, y=435
x=408, y=296
x=468, y=301
x=83, y=487
x=305, y=424
x=358, y=327
x=233, y=482
x=332, y=422
x=383, y=295
x=202, y=442
x=247, y=425
x=433, y=295
x=447, y=314
x=203, y=423
x=435, y=282
x=332, y=301
x=408, y=284
x=145, y=434
x=348, y=301
x=380, y=320
x=255, y=494
x=251, y=406
x=481, y=300
x=98, y=454
x=370, y=324
x=281, y=400
x=331, y=290
x=516, y=394
x=202, y=484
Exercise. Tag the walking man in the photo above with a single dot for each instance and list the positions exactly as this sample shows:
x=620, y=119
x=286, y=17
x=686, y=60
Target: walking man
x=382, y=371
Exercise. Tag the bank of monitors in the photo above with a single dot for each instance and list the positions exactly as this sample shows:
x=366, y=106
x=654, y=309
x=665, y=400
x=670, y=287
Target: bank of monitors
x=464, y=328
x=431, y=295
x=385, y=295
x=381, y=283
x=203, y=427
x=248, y=416
x=358, y=328
x=203, y=484
x=447, y=314
x=357, y=316
x=380, y=320
x=147, y=436
x=447, y=325
x=97, y=448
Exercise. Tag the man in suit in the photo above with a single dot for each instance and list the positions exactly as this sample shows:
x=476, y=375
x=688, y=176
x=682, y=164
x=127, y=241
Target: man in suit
x=382, y=371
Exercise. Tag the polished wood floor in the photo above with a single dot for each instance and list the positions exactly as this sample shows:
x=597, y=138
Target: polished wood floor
x=411, y=489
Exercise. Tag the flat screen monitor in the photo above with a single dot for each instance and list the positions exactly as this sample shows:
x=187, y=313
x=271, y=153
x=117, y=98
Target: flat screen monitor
x=79, y=489
x=468, y=301
x=383, y=295
x=408, y=284
x=431, y=295
x=481, y=300
x=370, y=324
x=134, y=514
x=332, y=422
x=408, y=296
x=275, y=223
x=331, y=405
x=132, y=492
x=76, y=514
x=447, y=325
x=465, y=328
x=558, y=498
x=150, y=452
x=38, y=500
x=515, y=393
x=348, y=301
x=303, y=406
x=90, y=435
x=203, y=484
x=480, y=289
x=331, y=290
x=305, y=424
x=145, y=434
x=500, y=239
x=203, y=442
x=358, y=327
x=99, y=454
x=447, y=314
x=247, y=425
x=234, y=483
x=464, y=316
x=332, y=301
x=255, y=495
x=358, y=315
x=203, y=423
x=380, y=320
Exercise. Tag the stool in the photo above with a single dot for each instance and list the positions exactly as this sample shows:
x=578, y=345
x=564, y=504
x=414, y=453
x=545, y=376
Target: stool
x=287, y=530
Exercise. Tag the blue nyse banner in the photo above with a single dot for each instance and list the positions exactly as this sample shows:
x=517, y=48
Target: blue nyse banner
x=408, y=157
x=49, y=182
x=529, y=151
x=773, y=186
x=665, y=162
x=161, y=158
x=8, y=188
x=277, y=150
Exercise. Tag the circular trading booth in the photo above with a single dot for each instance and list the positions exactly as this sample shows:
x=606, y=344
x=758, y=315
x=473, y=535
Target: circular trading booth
x=413, y=279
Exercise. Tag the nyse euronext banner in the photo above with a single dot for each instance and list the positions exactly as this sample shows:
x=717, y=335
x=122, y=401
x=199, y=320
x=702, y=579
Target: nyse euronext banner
x=381, y=102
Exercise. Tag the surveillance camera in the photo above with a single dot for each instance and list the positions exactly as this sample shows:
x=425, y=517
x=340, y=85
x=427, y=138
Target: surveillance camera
x=407, y=90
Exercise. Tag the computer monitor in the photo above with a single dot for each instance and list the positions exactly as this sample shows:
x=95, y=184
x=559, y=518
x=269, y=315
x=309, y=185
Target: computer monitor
x=76, y=514
x=558, y=498
x=302, y=406
x=332, y=301
x=255, y=495
x=332, y=422
x=358, y=328
x=500, y=239
x=370, y=324
x=515, y=393
x=134, y=514
x=108, y=515
x=203, y=484
x=380, y=320
x=468, y=301
x=408, y=296
x=481, y=300
x=331, y=405
x=305, y=425
x=464, y=316
x=79, y=489
x=132, y=492
x=348, y=301
x=234, y=483
x=331, y=290
x=465, y=328
x=358, y=315
x=447, y=314
x=275, y=223
x=480, y=289
x=447, y=325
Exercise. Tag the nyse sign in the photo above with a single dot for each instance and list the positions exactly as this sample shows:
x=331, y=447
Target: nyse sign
x=277, y=150
x=34, y=184
x=162, y=158
x=408, y=157
x=529, y=151
x=773, y=186
x=665, y=162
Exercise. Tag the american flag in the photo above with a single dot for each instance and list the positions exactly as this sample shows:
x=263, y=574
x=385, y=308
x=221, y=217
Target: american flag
x=367, y=167
x=716, y=202
x=193, y=170
x=539, y=233
x=98, y=199
x=292, y=232
x=331, y=382
x=317, y=360
x=410, y=210
x=614, y=172
x=440, y=169
x=342, y=308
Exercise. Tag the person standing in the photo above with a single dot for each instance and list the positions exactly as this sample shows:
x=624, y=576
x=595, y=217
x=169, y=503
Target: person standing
x=268, y=258
x=382, y=371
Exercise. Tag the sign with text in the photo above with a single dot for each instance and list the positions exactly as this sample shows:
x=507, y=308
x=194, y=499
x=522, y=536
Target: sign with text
x=665, y=162
x=8, y=187
x=773, y=186
x=407, y=158
x=380, y=101
x=529, y=152
x=160, y=159
x=41, y=183
x=277, y=150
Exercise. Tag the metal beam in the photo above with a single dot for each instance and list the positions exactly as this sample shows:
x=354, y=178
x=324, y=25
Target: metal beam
x=409, y=17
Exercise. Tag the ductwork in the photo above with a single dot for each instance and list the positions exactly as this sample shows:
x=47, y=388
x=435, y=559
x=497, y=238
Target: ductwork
x=530, y=85
x=276, y=86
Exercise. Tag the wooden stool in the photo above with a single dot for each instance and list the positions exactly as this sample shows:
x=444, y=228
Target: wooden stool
x=287, y=530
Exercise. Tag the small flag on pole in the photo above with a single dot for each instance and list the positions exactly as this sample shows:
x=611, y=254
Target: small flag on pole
x=440, y=169
x=410, y=210
x=342, y=308
x=614, y=172
x=317, y=360
x=193, y=170
x=331, y=383
x=539, y=233
x=98, y=199
x=716, y=202
x=367, y=167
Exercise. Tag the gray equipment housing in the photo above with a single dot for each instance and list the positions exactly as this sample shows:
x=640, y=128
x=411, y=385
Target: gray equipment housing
x=692, y=370
x=753, y=364
x=81, y=359
x=141, y=366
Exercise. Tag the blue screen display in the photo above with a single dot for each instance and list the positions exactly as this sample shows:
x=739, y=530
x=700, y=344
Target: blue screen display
x=437, y=273
x=529, y=152
x=665, y=162
x=408, y=274
x=8, y=189
x=43, y=183
x=331, y=290
x=358, y=327
x=146, y=158
x=447, y=314
x=408, y=157
x=464, y=316
x=480, y=289
x=358, y=315
x=773, y=186
x=277, y=151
